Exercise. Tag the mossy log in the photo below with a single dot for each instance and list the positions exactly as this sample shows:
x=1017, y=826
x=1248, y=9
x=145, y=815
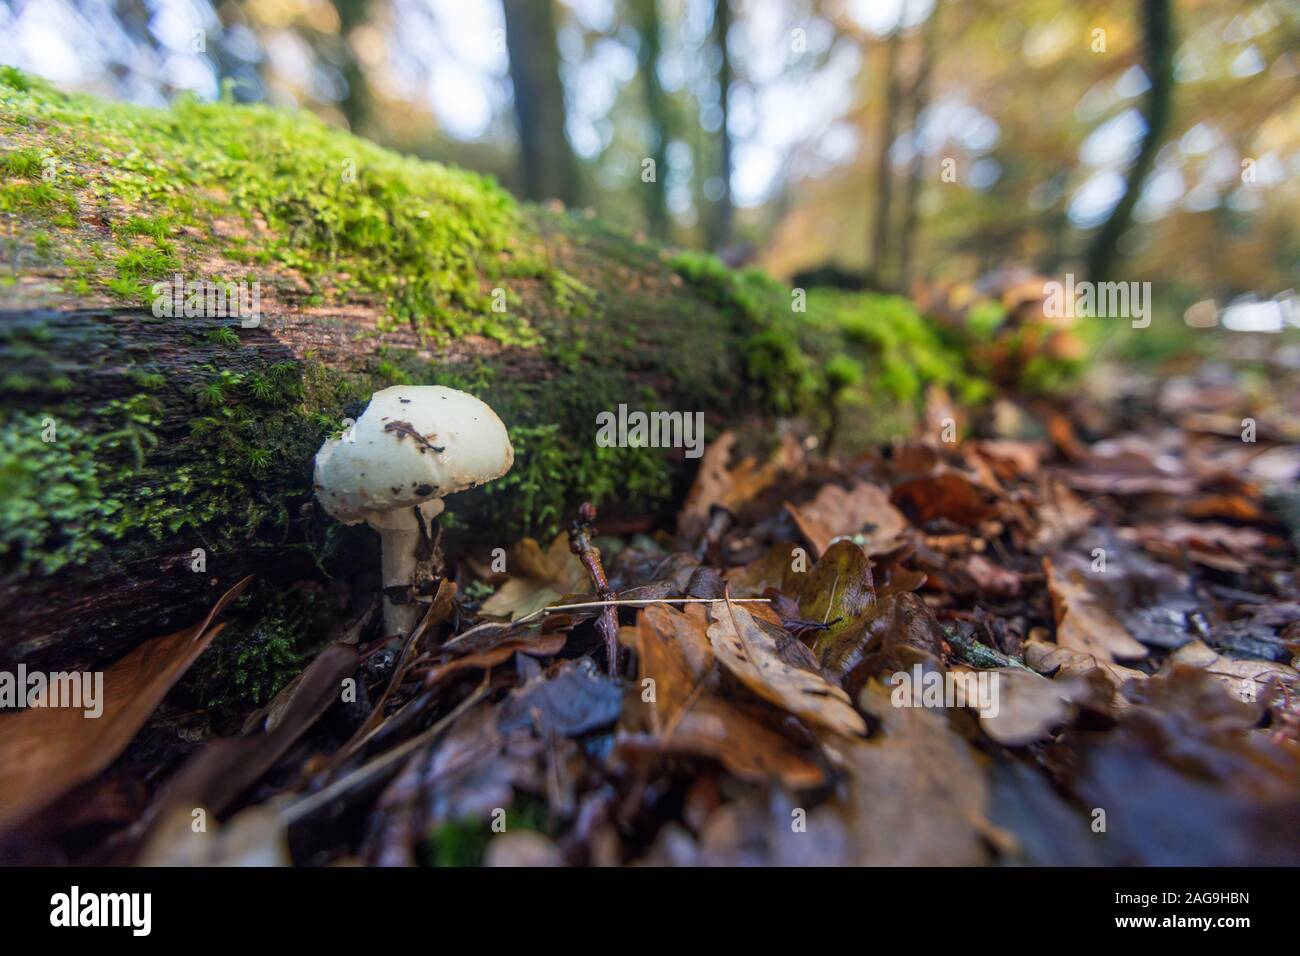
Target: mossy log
x=150, y=460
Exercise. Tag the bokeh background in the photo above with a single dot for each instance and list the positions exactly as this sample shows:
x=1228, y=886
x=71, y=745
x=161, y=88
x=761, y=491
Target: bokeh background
x=911, y=145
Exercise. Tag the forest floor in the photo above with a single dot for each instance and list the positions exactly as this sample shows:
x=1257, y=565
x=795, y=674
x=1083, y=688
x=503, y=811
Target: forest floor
x=1069, y=641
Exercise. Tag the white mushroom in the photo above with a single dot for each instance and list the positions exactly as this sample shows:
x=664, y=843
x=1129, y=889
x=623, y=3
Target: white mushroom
x=413, y=446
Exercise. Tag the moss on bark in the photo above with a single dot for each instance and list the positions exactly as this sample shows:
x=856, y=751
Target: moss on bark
x=175, y=433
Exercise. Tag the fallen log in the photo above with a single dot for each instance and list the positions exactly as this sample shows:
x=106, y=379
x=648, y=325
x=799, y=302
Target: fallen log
x=197, y=297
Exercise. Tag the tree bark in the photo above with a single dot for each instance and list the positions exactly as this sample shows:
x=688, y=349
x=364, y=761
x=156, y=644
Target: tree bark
x=356, y=103
x=884, y=174
x=723, y=210
x=911, y=197
x=1158, y=39
x=646, y=332
x=548, y=168
x=646, y=18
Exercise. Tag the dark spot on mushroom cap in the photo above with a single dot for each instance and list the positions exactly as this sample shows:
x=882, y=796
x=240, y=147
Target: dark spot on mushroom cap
x=425, y=490
x=397, y=489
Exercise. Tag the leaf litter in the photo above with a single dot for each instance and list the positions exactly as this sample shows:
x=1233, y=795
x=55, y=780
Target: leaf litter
x=744, y=689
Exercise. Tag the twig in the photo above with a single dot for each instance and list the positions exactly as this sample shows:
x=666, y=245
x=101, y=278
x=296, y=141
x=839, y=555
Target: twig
x=366, y=772
x=580, y=534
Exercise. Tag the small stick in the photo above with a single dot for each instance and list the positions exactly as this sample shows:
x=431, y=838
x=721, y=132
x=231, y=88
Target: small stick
x=366, y=772
x=580, y=535
x=634, y=602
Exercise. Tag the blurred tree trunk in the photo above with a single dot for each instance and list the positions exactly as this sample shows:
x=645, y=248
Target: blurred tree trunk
x=920, y=99
x=645, y=15
x=723, y=213
x=356, y=104
x=548, y=167
x=1158, y=33
x=884, y=177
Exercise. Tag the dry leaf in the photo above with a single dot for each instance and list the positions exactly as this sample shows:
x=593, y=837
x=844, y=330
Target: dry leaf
x=752, y=654
x=732, y=488
x=1082, y=623
x=47, y=751
x=1246, y=680
x=537, y=579
x=1029, y=706
x=674, y=651
x=915, y=796
x=946, y=494
x=836, y=512
x=1066, y=663
x=1061, y=515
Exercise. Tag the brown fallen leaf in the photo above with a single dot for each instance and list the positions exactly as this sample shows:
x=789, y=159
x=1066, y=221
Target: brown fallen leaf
x=776, y=569
x=991, y=578
x=1187, y=780
x=1220, y=546
x=1029, y=706
x=47, y=751
x=216, y=776
x=752, y=654
x=731, y=487
x=537, y=579
x=945, y=494
x=1246, y=680
x=1061, y=515
x=485, y=653
x=1082, y=623
x=915, y=795
x=836, y=512
x=1010, y=458
x=674, y=652
x=893, y=635
x=1067, y=663
x=1233, y=507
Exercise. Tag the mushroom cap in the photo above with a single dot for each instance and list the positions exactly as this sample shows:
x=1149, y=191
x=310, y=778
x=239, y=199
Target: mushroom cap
x=413, y=445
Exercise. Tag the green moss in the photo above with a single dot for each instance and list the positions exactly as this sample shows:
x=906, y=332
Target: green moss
x=14, y=78
x=465, y=842
x=426, y=240
x=22, y=163
x=265, y=645
x=902, y=352
x=55, y=508
x=285, y=194
x=843, y=372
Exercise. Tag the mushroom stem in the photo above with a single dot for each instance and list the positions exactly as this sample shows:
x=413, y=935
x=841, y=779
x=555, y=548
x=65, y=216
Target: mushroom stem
x=399, y=564
x=407, y=561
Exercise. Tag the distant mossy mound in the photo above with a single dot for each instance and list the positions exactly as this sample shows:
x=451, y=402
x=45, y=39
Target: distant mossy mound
x=135, y=440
